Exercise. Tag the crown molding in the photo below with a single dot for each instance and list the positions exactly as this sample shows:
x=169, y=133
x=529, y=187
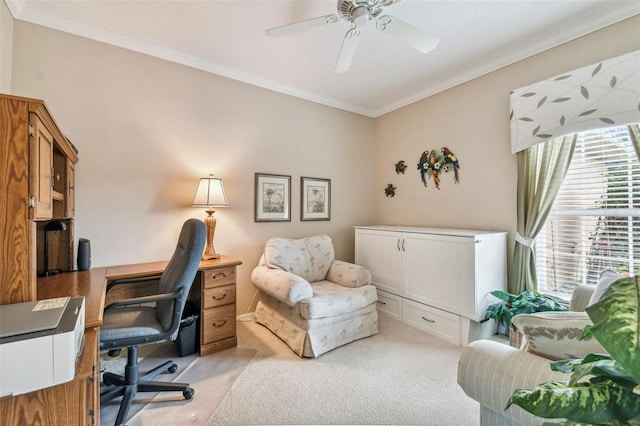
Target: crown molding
x=20, y=10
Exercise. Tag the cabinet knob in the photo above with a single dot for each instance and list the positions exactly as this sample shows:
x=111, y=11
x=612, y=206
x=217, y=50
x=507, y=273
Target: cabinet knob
x=219, y=324
x=219, y=274
x=428, y=320
x=381, y=303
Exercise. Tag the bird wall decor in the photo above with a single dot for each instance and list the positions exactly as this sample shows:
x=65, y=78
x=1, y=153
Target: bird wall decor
x=432, y=164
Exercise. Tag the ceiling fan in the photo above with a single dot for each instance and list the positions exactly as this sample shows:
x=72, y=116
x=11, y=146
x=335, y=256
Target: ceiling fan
x=358, y=13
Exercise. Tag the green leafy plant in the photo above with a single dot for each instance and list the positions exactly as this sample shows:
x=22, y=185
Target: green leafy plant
x=526, y=302
x=604, y=389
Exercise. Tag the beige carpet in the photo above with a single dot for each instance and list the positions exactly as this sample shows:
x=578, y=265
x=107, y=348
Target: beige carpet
x=400, y=376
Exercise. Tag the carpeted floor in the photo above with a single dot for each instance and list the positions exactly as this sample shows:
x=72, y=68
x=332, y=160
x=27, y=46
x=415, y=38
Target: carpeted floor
x=400, y=376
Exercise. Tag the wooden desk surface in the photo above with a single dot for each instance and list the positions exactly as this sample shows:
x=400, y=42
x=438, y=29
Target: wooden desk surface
x=92, y=284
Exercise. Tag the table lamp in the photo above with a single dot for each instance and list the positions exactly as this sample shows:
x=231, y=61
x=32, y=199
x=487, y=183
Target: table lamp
x=210, y=194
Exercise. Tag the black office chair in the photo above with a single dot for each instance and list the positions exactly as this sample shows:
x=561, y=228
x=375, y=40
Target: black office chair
x=132, y=322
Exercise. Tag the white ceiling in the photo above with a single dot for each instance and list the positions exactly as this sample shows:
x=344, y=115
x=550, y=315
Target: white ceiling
x=226, y=37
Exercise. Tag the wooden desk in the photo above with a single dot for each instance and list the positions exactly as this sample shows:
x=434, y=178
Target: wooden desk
x=78, y=402
x=213, y=291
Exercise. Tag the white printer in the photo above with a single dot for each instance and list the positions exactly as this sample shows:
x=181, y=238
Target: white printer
x=40, y=342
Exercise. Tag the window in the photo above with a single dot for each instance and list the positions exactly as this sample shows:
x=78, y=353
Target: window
x=594, y=223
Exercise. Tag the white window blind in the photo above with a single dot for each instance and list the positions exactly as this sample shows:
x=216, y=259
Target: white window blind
x=594, y=223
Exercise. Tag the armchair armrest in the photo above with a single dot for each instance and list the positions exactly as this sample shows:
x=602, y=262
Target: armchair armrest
x=348, y=274
x=284, y=286
x=489, y=372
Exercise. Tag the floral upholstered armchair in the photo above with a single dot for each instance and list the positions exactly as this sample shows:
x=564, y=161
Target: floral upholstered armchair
x=312, y=301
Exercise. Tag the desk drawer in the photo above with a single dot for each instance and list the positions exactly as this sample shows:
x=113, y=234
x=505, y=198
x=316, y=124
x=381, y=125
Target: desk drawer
x=218, y=323
x=219, y=296
x=219, y=277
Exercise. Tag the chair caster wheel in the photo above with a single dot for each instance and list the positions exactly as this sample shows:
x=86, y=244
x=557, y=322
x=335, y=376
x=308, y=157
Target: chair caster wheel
x=188, y=394
x=172, y=369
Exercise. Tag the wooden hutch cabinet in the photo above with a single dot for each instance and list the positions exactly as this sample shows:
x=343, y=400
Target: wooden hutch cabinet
x=37, y=179
x=37, y=165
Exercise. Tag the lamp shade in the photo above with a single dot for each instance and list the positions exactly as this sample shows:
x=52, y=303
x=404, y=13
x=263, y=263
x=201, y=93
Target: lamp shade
x=210, y=193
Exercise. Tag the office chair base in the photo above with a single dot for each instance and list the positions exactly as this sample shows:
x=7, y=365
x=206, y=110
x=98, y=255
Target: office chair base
x=128, y=385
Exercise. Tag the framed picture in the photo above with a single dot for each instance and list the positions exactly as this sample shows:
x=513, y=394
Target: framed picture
x=273, y=198
x=315, y=198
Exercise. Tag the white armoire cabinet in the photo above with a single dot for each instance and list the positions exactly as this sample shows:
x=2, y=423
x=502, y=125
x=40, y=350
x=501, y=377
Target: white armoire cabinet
x=435, y=279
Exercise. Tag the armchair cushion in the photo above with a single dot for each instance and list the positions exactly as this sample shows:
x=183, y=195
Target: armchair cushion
x=607, y=277
x=581, y=297
x=556, y=335
x=330, y=300
x=130, y=322
x=309, y=257
x=284, y=286
x=348, y=274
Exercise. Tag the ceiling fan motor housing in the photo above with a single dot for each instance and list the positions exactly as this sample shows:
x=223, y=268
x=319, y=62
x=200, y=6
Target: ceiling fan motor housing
x=359, y=12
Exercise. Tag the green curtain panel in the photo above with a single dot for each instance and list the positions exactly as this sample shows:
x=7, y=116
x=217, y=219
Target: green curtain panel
x=541, y=170
x=634, y=132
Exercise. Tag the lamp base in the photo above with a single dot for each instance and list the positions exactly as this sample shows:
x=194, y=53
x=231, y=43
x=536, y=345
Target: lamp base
x=209, y=251
x=211, y=256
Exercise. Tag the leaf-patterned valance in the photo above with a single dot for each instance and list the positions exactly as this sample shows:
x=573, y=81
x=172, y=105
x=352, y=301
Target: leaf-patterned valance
x=598, y=95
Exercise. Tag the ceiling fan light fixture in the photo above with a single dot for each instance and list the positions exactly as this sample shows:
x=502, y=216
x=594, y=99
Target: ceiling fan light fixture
x=360, y=15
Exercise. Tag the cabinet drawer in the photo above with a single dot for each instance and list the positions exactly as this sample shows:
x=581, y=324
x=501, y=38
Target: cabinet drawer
x=219, y=296
x=219, y=277
x=218, y=323
x=435, y=321
x=390, y=304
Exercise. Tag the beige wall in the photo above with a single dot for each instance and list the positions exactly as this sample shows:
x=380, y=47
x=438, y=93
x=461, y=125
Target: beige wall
x=6, y=47
x=147, y=130
x=472, y=120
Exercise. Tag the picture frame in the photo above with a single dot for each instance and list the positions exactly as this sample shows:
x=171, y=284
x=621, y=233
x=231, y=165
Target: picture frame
x=272, y=198
x=315, y=198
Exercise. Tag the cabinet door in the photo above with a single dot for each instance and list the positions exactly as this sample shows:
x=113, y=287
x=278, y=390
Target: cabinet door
x=380, y=252
x=41, y=167
x=438, y=270
x=70, y=195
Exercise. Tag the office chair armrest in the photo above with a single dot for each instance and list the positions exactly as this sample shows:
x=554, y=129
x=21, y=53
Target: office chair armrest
x=112, y=284
x=144, y=299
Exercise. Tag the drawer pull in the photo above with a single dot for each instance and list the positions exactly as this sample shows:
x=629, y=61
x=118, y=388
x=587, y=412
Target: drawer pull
x=215, y=297
x=381, y=303
x=219, y=274
x=219, y=324
x=427, y=320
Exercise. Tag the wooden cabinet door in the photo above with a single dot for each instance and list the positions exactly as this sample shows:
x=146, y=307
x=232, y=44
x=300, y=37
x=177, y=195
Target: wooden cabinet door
x=70, y=193
x=41, y=170
x=381, y=253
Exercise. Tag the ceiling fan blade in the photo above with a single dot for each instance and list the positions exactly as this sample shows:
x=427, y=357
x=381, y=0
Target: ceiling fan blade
x=302, y=25
x=348, y=50
x=411, y=35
